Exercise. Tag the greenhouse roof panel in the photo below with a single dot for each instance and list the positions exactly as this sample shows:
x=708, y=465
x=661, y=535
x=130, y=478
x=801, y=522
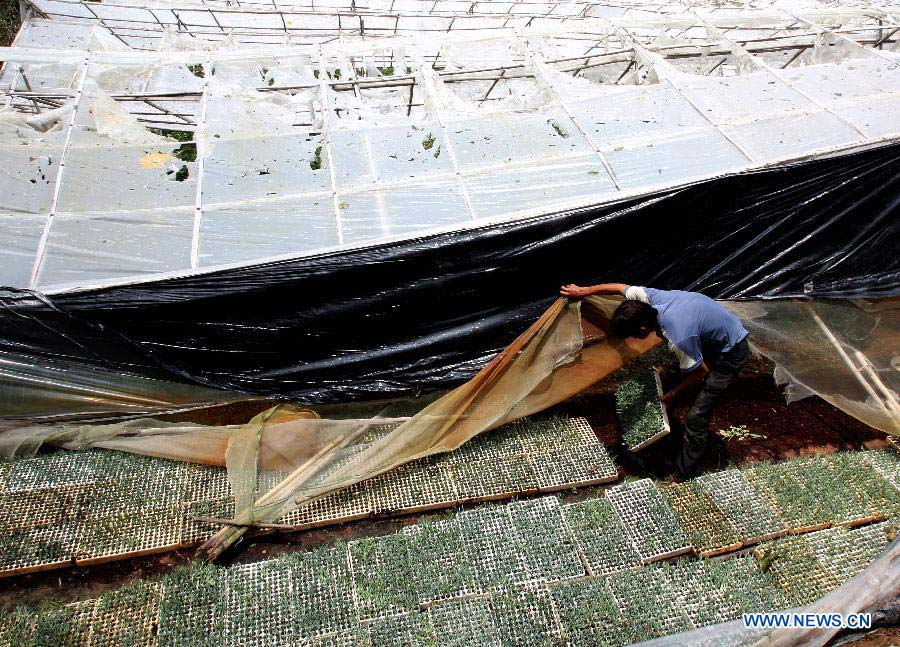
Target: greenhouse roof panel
x=226, y=135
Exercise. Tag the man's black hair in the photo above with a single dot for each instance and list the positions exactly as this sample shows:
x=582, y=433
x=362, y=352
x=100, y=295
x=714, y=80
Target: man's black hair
x=630, y=316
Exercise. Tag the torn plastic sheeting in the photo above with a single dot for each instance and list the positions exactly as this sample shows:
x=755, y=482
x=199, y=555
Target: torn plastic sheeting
x=308, y=458
x=876, y=587
x=846, y=352
x=401, y=318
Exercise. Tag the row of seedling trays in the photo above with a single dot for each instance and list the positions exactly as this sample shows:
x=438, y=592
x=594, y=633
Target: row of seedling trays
x=383, y=591
x=99, y=505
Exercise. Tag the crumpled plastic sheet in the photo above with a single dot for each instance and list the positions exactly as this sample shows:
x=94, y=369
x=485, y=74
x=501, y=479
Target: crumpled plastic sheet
x=873, y=589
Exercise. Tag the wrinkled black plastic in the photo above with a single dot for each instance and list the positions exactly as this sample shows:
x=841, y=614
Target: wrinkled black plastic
x=426, y=313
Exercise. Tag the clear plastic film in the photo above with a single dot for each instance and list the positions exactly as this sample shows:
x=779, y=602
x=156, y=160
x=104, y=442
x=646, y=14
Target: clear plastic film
x=846, y=352
x=877, y=587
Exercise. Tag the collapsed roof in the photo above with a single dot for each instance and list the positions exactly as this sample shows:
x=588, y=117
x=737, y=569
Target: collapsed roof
x=141, y=143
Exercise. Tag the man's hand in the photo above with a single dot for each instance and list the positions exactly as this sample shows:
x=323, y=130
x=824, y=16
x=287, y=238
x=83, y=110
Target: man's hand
x=572, y=291
x=667, y=398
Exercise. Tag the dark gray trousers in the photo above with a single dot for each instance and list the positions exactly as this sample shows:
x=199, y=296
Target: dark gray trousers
x=722, y=372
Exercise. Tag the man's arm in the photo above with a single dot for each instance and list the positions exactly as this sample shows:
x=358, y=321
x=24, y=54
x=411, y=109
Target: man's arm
x=573, y=291
x=694, y=377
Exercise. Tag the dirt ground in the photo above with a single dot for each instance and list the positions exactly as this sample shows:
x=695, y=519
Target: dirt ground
x=753, y=403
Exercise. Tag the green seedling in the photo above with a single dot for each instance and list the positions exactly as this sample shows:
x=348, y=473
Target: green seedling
x=558, y=129
x=316, y=162
x=639, y=409
x=428, y=142
x=197, y=70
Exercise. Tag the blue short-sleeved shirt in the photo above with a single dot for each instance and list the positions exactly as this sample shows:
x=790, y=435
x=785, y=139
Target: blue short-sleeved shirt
x=690, y=323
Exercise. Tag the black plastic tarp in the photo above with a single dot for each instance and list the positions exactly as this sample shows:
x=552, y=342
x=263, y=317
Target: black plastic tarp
x=422, y=314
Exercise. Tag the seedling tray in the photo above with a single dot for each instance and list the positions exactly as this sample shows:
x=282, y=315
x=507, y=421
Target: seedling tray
x=348, y=504
x=192, y=531
x=494, y=479
x=322, y=592
x=128, y=616
x=875, y=497
x=37, y=549
x=695, y=591
x=259, y=604
x=551, y=433
x=799, y=572
x=645, y=600
x=545, y=541
x=644, y=418
x=412, y=489
x=465, y=622
x=573, y=467
x=192, y=609
x=413, y=628
x=492, y=547
x=887, y=463
x=746, y=585
x=649, y=521
x=46, y=507
x=846, y=553
x=206, y=483
x=600, y=536
x=131, y=534
x=710, y=531
x=525, y=615
x=588, y=613
x=749, y=513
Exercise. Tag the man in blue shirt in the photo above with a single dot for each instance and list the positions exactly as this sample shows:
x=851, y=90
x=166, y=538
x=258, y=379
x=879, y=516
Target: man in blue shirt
x=709, y=342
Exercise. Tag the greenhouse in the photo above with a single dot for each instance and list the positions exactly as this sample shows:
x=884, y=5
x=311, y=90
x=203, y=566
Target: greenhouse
x=279, y=292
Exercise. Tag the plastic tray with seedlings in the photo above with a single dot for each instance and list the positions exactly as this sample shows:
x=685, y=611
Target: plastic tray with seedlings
x=35, y=508
x=845, y=553
x=260, y=604
x=649, y=520
x=193, y=606
x=68, y=624
x=747, y=584
x=402, y=572
x=465, y=622
x=322, y=587
x=546, y=544
x=886, y=462
x=802, y=492
x=129, y=616
x=875, y=496
x=62, y=468
x=496, y=479
x=600, y=536
x=710, y=531
x=205, y=483
x=130, y=534
x=797, y=569
x=347, y=504
x=698, y=594
x=749, y=513
x=491, y=547
x=412, y=488
x=193, y=530
x=644, y=419
x=412, y=628
x=647, y=603
x=29, y=550
x=524, y=614
x=588, y=613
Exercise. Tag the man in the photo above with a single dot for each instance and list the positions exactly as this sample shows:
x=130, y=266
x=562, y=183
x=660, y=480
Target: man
x=709, y=342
